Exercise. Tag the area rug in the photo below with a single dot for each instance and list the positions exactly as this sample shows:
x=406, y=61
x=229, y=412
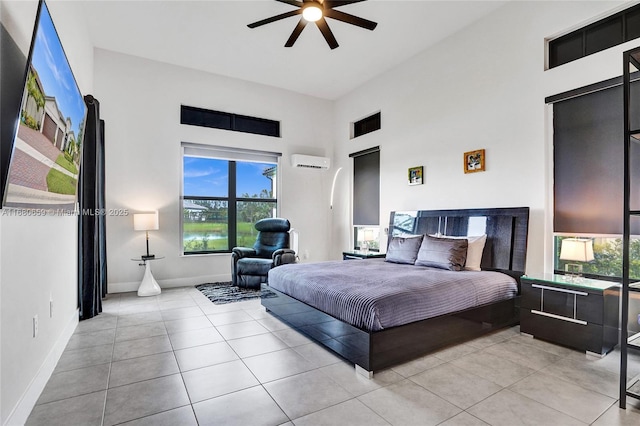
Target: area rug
x=221, y=293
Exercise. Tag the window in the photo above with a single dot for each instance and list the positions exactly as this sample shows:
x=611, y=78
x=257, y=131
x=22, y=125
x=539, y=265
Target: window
x=366, y=198
x=588, y=175
x=228, y=121
x=225, y=192
x=603, y=34
x=367, y=125
x=367, y=238
x=607, y=252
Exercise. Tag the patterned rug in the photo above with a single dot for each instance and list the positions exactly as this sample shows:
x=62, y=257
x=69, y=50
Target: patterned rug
x=221, y=293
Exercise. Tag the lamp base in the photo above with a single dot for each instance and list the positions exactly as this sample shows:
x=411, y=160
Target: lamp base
x=148, y=256
x=573, y=272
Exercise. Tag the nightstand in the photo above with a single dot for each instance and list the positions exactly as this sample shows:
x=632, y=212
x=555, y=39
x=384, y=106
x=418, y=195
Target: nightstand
x=361, y=255
x=582, y=315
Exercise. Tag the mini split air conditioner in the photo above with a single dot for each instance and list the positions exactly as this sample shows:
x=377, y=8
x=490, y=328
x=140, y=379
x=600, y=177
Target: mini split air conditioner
x=310, y=161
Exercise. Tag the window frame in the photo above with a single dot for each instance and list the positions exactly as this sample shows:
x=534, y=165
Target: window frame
x=232, y=199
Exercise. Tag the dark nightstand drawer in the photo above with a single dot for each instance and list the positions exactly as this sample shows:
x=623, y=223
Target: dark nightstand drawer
x=584, y=337
x=581, y=315
x=563, y=302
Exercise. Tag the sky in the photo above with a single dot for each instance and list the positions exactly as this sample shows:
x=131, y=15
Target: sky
x=207, y=177
x=54, y=71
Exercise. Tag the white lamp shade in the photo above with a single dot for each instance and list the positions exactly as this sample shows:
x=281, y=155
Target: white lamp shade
x=145, y=221
x=576, y=250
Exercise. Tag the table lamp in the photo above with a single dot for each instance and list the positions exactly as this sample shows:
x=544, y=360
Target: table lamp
x=367, y=239
x=146, y=222
x=576, y=250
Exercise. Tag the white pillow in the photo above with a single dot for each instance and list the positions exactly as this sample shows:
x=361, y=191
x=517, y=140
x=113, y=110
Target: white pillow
x=474, y=251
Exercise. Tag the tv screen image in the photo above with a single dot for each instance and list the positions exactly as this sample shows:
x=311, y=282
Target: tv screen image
x=45, y=161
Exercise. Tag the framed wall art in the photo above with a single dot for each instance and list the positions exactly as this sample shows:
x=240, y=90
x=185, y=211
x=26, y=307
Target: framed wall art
x=415, y=175
x=474, y=161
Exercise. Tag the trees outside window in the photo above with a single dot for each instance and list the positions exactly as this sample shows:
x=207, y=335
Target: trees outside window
x=222, y=200
x=607, y=252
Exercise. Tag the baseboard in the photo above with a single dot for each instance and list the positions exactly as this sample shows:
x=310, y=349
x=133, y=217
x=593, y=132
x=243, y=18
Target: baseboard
x=124, y=287
x=24, y=406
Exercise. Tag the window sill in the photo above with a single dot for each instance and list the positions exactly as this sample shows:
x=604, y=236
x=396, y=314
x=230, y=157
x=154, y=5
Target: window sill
x=205, y=254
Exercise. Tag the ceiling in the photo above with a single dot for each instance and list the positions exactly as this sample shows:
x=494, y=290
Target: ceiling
x=213, y=36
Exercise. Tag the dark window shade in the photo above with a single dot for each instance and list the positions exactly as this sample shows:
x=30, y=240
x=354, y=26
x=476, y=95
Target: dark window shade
x=632, y=26
x=259, y=126
x=565, y=49
x=366, y=187
x=588, y=163
x=367, y=125
x=205, y=118
x=603, y=34
x=228, y=121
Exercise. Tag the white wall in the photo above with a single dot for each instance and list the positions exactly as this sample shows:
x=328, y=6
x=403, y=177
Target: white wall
x=38, y=253
x=482, y=88
x=140, y=103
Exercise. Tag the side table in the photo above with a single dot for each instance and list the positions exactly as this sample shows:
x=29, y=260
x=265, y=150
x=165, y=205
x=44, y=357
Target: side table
x=361, y=255
x=581, y=314
x=149, y=286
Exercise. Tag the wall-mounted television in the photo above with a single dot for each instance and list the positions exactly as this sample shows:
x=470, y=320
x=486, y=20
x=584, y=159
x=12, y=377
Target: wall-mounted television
x=47, y=146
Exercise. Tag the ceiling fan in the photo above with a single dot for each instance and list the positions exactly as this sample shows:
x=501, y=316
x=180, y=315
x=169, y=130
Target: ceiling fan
x=316, y=11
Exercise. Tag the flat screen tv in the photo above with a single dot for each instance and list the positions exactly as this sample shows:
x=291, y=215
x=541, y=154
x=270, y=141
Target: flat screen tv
x=46, y=152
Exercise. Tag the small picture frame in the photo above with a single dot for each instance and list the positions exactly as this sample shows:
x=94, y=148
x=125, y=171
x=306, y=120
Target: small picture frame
x=415, y=175
x=474, y=161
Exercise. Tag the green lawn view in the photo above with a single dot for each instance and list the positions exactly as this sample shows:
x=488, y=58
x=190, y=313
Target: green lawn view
x=60, y=183
x=66, y=164
x=208, y=236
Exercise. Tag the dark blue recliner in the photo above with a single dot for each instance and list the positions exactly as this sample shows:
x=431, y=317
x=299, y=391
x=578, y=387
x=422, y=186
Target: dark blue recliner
x=250, y=266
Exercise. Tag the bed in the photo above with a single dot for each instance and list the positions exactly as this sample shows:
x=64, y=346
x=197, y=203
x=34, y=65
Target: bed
x=377, y=314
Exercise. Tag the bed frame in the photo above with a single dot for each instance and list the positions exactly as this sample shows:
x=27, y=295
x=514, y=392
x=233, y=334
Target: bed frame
x=505, y=251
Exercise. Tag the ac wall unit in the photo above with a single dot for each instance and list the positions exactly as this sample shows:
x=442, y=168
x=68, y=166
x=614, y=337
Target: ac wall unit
x=310, y=161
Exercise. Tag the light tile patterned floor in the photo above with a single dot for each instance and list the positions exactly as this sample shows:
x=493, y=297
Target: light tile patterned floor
x=177, y=359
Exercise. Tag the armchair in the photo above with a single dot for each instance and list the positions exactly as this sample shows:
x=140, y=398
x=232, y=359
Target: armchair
x=250, y=266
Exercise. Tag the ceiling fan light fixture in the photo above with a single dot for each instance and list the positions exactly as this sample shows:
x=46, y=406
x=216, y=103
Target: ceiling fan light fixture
x=315, y=11
x=312, y=12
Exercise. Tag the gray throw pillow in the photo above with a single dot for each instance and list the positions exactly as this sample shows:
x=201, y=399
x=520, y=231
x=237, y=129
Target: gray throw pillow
x=403, y=250
x=443, y=253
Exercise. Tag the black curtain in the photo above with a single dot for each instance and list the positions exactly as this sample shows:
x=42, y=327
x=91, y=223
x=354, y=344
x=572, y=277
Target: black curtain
x=92, y=250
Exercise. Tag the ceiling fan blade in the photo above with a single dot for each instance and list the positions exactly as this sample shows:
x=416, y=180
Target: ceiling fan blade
x=275, y=18
x=330, y=4
x=291, y=2
x=327, y=33
x=296, y=33
x=350, y=19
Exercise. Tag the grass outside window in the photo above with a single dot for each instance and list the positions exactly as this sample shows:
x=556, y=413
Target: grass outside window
x=61, y=183
x=66, y=164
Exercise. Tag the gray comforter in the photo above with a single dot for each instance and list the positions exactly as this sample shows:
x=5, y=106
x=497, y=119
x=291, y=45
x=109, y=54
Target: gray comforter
x=374, y=294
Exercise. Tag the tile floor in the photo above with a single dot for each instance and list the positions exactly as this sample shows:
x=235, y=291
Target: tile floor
x=177, y=359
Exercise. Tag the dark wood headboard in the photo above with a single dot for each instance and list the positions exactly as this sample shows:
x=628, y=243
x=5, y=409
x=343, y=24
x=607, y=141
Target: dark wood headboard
x=506, y=228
